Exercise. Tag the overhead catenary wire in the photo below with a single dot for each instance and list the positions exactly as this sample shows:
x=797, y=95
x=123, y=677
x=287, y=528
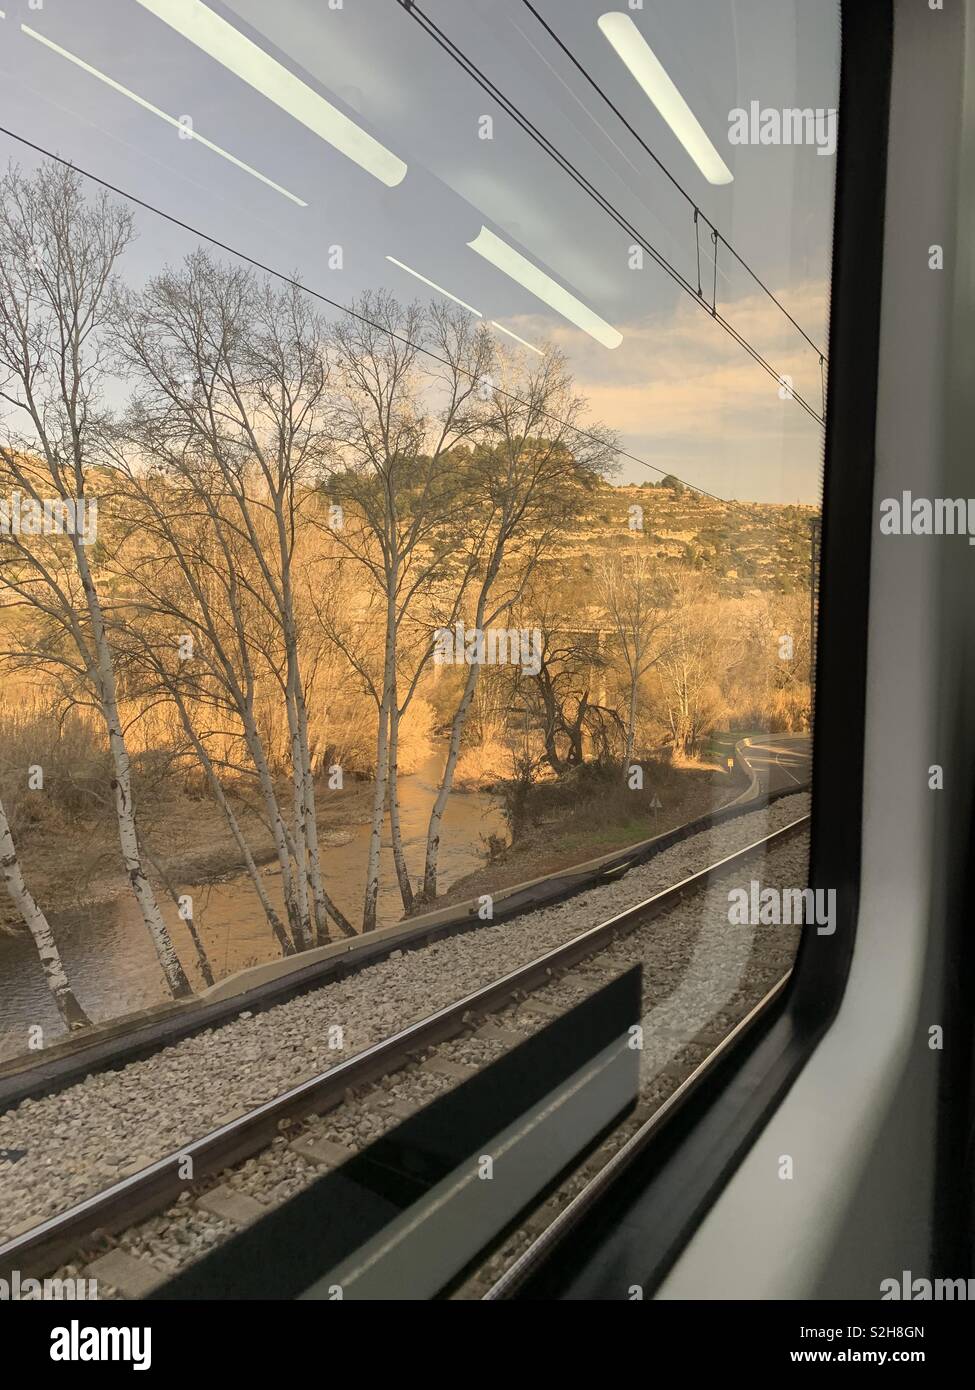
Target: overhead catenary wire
x=345, y=309
x=663, y=168
x=486, y=84
x=342, y=308
x=697, y=242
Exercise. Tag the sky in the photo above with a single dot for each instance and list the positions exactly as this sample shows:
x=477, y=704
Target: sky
x=684, y=396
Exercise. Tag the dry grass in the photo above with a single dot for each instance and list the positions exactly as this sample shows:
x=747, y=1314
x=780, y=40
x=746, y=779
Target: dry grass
x=483, y=765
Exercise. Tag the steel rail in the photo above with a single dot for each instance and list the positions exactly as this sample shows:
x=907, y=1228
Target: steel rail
x=109, y=1050
x=516, y=1273
x=52, y=1241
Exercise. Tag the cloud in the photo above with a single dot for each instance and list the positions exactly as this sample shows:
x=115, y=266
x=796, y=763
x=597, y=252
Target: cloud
x=681, y=384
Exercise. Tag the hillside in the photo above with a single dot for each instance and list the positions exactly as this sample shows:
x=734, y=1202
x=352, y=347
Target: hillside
x=748, y=548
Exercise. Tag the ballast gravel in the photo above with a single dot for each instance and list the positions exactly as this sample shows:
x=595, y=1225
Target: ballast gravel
x=81, y=1139
x=685, y=944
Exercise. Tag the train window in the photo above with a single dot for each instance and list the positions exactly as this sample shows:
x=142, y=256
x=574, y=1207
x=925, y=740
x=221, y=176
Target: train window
x=411, y=438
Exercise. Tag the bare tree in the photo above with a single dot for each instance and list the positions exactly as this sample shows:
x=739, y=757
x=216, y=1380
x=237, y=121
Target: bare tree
x=691, y=663
x=191, y=629
x=182, y=903
x=400, y=421
x=192, y=698
x=529, y=477
x=37, y=924
x=629, y=594
x=558, y=696
x=58, y=254
x=234, y=384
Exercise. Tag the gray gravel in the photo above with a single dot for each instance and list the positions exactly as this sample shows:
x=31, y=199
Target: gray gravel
x=688, y=967
x=88, y=1135
x=706, y=982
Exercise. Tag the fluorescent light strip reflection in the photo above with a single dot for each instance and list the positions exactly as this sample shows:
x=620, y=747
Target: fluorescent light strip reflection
x=434, y=286
x=634, y=51
x=226, y=45
x=186, y=131
x=501, y=329
x=531, y=278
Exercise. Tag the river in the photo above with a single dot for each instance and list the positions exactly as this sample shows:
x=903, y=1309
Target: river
x=109, y=957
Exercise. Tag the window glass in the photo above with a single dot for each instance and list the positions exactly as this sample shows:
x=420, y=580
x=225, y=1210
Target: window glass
x=411, y=430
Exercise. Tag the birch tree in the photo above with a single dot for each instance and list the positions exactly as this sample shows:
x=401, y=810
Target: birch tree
x=401, y=418
x=37, y=924
x=528, y=479
x=633, y=604
x=234, y=384
x=691, y=663
x=191, y=629
x=58, y=254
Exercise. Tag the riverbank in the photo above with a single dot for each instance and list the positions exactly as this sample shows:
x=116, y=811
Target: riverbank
x=188, y=835
x=108, y=955
x=123, y=1119
x=190, y=839
x=569, y=834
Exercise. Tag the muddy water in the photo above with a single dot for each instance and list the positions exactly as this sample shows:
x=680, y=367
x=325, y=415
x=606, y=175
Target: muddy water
x=110, y=959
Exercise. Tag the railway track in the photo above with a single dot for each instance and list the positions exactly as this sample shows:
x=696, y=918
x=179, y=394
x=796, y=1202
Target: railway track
x=583, y=1187
x=124, y=1204
x=112, y=1046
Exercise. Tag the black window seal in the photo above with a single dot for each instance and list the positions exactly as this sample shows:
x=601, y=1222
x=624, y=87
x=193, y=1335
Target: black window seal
x=633, y=1231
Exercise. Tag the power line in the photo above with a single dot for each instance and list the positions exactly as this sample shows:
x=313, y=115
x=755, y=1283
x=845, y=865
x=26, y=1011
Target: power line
x=335, y=304
x=353, y=313
x=568, y=167
x=542, y=140
x=680, y=188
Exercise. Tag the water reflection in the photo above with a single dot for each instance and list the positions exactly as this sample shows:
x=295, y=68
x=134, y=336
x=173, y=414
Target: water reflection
x=110, y=959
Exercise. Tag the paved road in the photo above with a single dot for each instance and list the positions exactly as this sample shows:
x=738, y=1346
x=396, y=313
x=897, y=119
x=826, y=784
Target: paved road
x=779, y=760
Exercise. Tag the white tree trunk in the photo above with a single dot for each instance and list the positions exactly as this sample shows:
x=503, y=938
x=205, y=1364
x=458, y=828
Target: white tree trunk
x=274, y=921
x=395, y=828
x=278, y=828
x=630, y=728
x=179, y=985
x=446, y=785
x=104, y=673
x=299, y=839
x=378, y=812
x=382, y=761
x=37, y=924
x=306, y=817
x=202, y=959
x=324, y=906
x=456, y=734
